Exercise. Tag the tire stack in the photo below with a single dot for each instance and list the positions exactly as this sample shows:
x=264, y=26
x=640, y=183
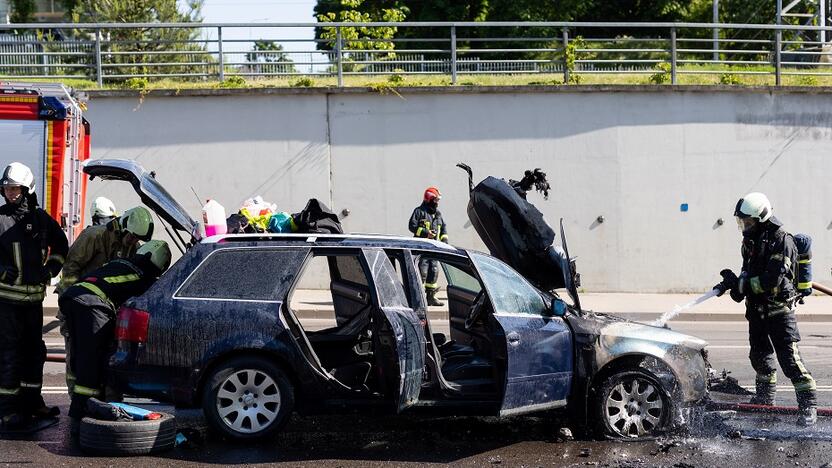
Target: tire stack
x=113, y=438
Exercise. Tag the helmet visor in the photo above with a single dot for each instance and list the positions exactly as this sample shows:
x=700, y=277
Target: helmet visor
x=746, y=224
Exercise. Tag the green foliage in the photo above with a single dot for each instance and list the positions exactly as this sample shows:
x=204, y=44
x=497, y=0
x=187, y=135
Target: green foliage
x=268, y=57
x=138, y=41
x=137, y=83
x=395, y=79
x=233, y=82
x=302, y=82
x=22, y=11
x=729, y=79
x=807, y=80
x=662, y=76
x=572, y=54
x=359, y=11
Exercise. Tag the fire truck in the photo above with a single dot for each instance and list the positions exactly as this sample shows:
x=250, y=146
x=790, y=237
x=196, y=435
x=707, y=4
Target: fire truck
x=42, y=126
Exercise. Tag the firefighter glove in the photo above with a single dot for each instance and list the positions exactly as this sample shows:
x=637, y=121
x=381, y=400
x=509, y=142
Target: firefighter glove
x=729, y=281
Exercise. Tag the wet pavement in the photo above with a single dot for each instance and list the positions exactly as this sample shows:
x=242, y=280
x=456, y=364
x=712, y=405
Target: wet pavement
x=353, y=441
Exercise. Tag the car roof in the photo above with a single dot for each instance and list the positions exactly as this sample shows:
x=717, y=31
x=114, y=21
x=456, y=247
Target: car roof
x=343, y=240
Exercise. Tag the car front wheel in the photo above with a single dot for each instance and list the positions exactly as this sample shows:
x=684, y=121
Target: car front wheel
x=632, y=404
x=247, y=398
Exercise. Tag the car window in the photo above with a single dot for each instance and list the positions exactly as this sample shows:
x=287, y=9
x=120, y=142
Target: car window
x=349, y=269
x=244, y=274
x=509, y=292
x=461, y=279
x=388, y=283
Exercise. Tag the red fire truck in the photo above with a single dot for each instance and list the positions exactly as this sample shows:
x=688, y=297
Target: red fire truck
x=42, y=126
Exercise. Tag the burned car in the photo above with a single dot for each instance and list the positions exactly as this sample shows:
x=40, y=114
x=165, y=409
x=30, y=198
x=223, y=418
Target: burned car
x=222, y=329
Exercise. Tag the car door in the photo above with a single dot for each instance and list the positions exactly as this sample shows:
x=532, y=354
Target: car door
x=538, y=346
x=400, y=336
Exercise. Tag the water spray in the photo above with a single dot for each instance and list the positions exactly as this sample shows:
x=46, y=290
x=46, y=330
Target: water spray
x=667, y=316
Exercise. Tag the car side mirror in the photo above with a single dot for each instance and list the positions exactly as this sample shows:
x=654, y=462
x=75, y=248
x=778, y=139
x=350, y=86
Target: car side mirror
x=558, y=308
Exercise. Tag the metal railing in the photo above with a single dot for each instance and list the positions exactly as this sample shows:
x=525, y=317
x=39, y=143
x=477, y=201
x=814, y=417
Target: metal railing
x=664, y=52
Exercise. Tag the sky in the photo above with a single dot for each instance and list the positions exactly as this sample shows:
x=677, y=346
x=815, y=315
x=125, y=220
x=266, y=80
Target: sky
x=262, y=11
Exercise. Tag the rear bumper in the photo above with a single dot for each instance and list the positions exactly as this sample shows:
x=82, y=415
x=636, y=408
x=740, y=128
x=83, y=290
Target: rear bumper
x=159, y=383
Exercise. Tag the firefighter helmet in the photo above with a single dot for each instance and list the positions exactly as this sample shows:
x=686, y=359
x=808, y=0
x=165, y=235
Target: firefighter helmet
x=19, y=175
x=138, y=222
x=103, y=208
x=755, y=205
x=432, y=193
x=158, y=252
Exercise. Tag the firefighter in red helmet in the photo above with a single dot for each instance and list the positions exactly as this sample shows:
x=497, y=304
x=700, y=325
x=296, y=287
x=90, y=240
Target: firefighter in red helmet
x=426, y=222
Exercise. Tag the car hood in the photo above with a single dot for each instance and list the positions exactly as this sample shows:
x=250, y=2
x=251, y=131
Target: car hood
x=149, y=190
x=612, y=330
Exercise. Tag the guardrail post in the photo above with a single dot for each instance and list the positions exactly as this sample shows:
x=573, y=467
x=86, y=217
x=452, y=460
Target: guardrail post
x=453, y=54
x=99, y=76
x=565, y=56
x=219, y=49
x=672, y=55
x=778, y=38
x=339, y=56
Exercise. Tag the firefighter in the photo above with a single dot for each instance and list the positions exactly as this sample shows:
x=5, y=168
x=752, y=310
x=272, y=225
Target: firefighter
x=96, y=246
x=89, y=308
x=103, y=211
x=767, y=283
x=32, y=251
x=426, y=222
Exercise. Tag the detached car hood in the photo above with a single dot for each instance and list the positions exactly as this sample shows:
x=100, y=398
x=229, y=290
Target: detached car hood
x=149, y=190
x=515, y=232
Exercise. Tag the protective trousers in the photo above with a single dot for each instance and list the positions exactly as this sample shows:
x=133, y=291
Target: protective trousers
x=429, y=270
x=778, y=334
x=91, y=324
x=64, y=329
x=22, y=354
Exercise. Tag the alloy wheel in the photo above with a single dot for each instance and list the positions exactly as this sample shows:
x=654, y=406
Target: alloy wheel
x=634, y=407
x=248, y=401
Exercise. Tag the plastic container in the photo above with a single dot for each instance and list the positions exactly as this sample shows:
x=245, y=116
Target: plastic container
x=213, y=217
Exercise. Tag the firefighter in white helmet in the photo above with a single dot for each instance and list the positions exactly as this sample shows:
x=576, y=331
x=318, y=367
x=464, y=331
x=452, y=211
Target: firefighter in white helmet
x=103, y=211
x=32, y=251
x=768, y=282
x=96, y=246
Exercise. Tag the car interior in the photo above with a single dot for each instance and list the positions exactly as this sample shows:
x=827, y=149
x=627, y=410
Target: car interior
x=340, y=335
x=461, y=348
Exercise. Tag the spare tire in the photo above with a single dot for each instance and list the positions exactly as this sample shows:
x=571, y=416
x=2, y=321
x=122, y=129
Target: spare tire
x=128, y=437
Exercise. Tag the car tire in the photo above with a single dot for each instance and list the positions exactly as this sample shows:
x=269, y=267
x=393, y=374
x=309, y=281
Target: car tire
x=114, y=438
x=631, y=404
x=247, y=398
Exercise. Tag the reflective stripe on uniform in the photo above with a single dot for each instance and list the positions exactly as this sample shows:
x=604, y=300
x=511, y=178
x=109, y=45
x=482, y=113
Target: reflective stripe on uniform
x=86, y=391
x=96, y=290
x=767, y=378
x=9, y=391
x=419, y=231
x=30, y=385
x=23, y=293
x=777, y=256
x=804, y=285
x=122, y=278
x=444, y=238
x=805, y=382
x=431, y=286
x=805, y=261
x=756, y=287
x=18, y=262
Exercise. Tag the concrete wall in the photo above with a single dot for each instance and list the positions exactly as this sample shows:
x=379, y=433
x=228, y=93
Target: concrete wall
x=633, y=156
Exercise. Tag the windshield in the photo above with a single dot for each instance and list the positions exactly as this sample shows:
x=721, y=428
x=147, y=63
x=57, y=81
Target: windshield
x=509, y=292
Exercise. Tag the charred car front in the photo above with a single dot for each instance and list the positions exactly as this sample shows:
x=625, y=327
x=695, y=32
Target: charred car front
x=222, y=329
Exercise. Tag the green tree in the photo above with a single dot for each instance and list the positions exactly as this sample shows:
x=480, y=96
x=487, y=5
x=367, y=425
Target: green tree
x=141, y=50
x=22, y=11
x=268, y=57
x=359, y=11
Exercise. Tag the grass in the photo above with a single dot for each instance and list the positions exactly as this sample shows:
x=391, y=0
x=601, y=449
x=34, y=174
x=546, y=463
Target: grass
x=687, y=75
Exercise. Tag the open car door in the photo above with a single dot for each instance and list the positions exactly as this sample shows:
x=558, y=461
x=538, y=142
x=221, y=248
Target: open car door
x=539, y=355
x=400, y=340
x=149, y=190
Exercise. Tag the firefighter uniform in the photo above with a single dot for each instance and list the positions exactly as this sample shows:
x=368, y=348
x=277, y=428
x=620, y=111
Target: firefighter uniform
x=770, y=261
x=32, y=250
x=95, y=246
x=426, y=222
x=89, y=308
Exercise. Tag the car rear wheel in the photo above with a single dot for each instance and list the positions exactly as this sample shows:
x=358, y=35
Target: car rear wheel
x=632, y=404
x=248, y=398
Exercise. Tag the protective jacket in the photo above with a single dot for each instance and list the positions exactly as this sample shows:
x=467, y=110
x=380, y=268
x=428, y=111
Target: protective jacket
x=115, y=282
x=32, y=248
x=770, y=268
x=95, y=246
x=426, y=218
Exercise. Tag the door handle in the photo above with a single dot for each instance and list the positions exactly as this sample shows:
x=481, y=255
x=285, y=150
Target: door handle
x=513, y=338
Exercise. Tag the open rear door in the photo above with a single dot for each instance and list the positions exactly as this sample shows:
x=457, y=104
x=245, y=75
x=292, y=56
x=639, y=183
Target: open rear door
x=401, y=338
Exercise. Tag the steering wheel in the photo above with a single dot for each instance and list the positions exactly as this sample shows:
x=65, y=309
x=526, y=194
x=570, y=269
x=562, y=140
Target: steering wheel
x=475, y=310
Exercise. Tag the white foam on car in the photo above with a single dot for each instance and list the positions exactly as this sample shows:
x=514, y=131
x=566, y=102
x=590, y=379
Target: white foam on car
x=667, y=316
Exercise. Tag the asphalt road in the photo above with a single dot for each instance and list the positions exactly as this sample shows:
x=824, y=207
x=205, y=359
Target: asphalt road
x=741, y=440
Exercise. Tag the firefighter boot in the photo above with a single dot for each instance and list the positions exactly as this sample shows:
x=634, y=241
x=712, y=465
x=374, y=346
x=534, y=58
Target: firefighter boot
x=432, y=300
x=807, y=402
x=766, y=390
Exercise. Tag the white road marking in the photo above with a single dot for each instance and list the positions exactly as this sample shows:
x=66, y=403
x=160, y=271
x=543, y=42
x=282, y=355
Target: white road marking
x=748, y=347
